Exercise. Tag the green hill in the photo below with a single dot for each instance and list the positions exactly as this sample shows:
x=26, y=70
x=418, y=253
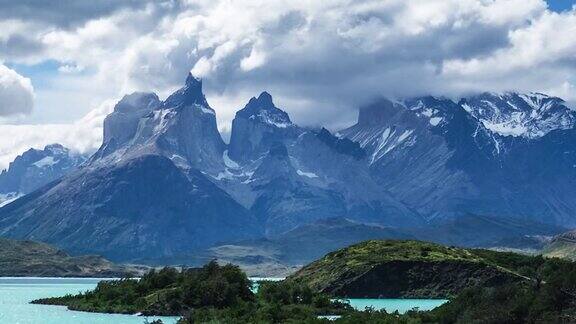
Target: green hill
x=414, y=269
x=35, y=259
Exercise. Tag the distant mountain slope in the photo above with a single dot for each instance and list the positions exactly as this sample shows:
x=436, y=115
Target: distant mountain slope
x=34, y=259
x=35, y=168
x=472, y=230
x=311, y=241
x=409, y=269
x=288, y=176
x=510, y=155
x=283, y=255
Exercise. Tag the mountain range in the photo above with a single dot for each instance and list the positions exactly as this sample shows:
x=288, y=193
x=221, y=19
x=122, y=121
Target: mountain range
x=483, y=171
x=35, y=168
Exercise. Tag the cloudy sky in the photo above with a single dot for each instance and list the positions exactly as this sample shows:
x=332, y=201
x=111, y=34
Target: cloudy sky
x=64, y=63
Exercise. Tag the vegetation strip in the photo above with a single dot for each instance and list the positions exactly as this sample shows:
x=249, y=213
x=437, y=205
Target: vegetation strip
x=222, y=294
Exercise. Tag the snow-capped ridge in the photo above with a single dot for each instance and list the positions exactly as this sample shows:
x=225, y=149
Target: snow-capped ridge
x=257, y=126
x=531, y=115
x=45, y=162
x=262, y=109
x=37, y=167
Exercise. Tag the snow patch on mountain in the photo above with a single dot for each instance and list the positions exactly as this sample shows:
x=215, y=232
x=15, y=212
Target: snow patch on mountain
x=520, y=115
x=224, y=175
x=35, y=168
x=46, y=162
x=507, y=128
x=381, y=140
x=272, y=119
x=5, y=199
x=307, y=174
x=228, y=161
x=434, y=115
x=205, y=109
x=434, y=121
x=405, y=135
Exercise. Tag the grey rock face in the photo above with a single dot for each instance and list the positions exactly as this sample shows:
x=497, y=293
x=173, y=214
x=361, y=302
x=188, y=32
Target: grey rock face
x=182, y=128
x=35, y=168
x=258, y=126
x=343, y=172
x=408, y=157
x=285, y=199
x=122, y=123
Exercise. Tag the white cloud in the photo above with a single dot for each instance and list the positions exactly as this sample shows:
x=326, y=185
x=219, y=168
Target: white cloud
x=16, y=93
x=83, y=136
x=319, y=59
x=257, y=58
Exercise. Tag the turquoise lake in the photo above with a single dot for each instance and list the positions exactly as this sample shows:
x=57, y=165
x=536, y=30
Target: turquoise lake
x=16, y=293
x=400, y=305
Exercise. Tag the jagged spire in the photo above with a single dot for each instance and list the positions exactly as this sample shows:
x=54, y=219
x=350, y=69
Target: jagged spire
x=263, y=102
x=193, y=81
x=190, y=94
x=265, y=99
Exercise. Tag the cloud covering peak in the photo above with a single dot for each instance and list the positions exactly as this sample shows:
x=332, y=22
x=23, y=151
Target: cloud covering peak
x=321, y=59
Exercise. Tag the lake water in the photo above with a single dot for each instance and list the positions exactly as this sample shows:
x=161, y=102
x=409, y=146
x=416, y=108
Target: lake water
x=16, y=294
x=390, y=305
x=400, y=305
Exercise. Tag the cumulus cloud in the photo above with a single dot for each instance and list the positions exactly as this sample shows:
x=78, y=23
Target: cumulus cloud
x=84, y=136
x=319, y=59
x=16, y=93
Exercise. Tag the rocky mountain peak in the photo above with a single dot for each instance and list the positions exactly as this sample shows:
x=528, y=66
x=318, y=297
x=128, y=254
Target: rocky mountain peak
x=137, y=101
x=190, y=94
x=120, y=126
x=263, y=102
x=193, y=81
x=257, y=126
x=262, y=109
x=275, y=165
x=56, y=149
